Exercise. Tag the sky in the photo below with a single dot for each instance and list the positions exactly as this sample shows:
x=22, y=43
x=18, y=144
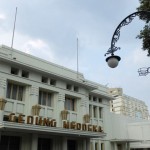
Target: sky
x=49, y=29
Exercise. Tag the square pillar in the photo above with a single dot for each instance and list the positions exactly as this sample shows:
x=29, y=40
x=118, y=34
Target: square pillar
x=64, y=143
x=34, y=143
x=87, y=144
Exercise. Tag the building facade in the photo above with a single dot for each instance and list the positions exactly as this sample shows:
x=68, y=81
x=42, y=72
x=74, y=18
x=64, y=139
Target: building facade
x=127, y=105
x=44, y=106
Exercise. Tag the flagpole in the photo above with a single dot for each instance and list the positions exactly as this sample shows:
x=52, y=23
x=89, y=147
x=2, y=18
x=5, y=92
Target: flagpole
x=14, y=29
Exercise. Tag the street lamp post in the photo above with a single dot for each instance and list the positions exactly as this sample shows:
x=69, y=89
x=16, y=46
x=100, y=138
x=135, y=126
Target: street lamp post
x=113, y=60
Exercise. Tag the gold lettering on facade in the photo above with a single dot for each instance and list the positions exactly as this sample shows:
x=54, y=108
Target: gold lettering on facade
x=46, y=122
x=20, y=118
x=94, y=128
x=12, y=117
x=78, y=126
x=29, y=119
x=84, y=127
x=52, y=123
x=89, y=127
x=65, y=124
x=73, y=125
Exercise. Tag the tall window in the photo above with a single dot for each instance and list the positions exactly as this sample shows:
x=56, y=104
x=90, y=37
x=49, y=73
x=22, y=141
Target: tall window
x=45, y=98
x=94, y=111
x=15, y=91
x=70, y=103
x=100, y=112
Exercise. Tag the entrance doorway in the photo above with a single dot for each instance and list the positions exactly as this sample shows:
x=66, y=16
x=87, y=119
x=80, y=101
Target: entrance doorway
x=71, y=145
x=10, y=142
x=44, y=144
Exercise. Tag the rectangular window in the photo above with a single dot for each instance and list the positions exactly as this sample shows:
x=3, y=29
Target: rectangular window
x=90, y=97
x=45, y=98
x=100, y=112
x=15, y=91
x=94, y=111
x=52, y=82
x=14, y=71
x=76, y=89
x=100, y=100
x=68, y=86
x=25, y=74
x=90, y=110
x=94, y=99
x=44, y=80
x=70, y=103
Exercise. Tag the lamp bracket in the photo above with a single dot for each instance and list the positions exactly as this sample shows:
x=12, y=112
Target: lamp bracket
x=123, y=23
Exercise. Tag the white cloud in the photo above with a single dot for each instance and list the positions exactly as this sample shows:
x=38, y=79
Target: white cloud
x=2, y=16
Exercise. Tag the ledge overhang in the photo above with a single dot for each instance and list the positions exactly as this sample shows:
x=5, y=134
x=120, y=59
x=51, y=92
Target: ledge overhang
x=20, y=127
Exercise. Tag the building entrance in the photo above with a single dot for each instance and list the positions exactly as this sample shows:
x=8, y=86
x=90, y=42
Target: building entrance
x=44, y=144
x=71, y=145
x=10, y=142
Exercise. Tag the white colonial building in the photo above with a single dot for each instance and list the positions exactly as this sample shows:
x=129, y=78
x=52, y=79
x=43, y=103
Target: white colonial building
x=127, y=105
x=44, y=106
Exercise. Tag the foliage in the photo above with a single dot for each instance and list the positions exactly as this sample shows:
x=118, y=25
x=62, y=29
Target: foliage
x=145, y=32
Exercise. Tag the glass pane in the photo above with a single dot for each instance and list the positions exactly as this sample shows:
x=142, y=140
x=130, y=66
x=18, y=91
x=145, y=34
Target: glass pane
x=8, y=90
x=49, y=100
x=44, y=98
x=40, y=97
x=69, y=104
x=72, y=104
x=20, y=93
x=14, y=92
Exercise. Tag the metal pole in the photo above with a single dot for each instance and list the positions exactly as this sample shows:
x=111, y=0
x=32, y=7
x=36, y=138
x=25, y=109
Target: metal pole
x=14, y=29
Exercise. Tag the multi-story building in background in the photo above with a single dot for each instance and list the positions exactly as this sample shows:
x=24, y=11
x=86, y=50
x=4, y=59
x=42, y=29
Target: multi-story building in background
x=127, y=105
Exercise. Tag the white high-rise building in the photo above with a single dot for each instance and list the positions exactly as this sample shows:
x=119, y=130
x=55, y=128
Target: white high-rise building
x=127, y=105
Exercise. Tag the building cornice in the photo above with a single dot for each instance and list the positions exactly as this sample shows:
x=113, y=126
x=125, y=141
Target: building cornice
x=19, y=127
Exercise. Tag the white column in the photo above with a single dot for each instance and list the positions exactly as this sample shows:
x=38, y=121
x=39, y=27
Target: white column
x=93, y=143
x=3, y=85
x=99, y=145
x=64, y=143
x=34, y=144
x=128, y=146
x=115, y=146
x=1, y=115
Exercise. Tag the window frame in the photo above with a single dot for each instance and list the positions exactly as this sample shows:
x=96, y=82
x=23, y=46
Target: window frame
x=15, y=95
x=48, y=100
x=70, y=103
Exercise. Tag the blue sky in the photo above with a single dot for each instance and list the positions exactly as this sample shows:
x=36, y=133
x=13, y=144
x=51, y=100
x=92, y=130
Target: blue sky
x=49, y=29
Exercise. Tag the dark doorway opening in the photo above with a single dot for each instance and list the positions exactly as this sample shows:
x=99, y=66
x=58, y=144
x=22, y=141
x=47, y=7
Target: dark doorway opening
x=44, y=144
x=71, y=145
x=10, y=142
